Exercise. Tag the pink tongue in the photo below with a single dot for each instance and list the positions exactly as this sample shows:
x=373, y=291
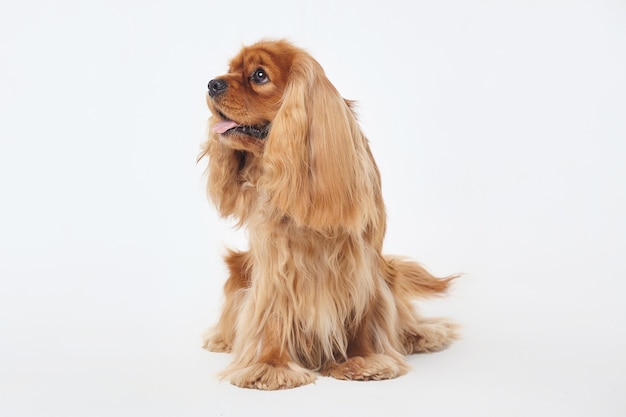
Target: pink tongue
x=224, y=125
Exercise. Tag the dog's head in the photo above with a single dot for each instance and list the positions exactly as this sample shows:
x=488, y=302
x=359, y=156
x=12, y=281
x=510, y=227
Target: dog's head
x=245, y=101
x=276, y=103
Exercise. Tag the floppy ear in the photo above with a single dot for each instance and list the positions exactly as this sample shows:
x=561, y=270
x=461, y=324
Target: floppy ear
x=223, y=182
x=228, y=183
x=318, y=168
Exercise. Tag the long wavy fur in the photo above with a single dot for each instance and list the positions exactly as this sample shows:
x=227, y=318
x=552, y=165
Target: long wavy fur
x=313, y=293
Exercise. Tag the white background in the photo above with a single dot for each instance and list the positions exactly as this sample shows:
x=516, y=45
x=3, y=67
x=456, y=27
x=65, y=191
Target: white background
x=499, y=128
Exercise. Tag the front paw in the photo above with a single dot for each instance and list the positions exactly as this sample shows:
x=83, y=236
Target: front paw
x=366, y=368
x=265, y=376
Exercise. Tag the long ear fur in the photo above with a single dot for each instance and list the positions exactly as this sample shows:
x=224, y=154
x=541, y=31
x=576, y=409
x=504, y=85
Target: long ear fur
x=223, y=168
x=231, y=174
x=318, y=169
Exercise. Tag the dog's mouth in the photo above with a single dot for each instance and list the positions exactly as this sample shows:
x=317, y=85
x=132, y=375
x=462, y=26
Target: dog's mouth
x=227, y=127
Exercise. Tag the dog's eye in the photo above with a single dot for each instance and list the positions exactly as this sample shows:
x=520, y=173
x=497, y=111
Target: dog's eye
x=259, y=76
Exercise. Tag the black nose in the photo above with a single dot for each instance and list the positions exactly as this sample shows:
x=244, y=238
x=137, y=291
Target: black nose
x=217, y=87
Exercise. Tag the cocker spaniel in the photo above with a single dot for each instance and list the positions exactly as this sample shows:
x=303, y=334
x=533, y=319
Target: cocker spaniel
x=313, y=293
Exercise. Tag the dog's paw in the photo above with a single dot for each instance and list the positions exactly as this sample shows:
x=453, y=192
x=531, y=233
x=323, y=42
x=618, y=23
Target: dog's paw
x=432, y=335
x=265, y=376
x=215, y=342
x=366, y=368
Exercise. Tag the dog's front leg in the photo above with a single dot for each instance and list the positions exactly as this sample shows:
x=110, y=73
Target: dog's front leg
x=264, y=363
x=372, y=349
x=364, y=363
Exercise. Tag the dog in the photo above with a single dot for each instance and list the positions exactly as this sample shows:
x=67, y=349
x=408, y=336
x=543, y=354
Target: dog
x=313, y=294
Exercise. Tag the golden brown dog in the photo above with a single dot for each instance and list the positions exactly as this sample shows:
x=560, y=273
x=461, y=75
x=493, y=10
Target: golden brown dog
x=313, y=293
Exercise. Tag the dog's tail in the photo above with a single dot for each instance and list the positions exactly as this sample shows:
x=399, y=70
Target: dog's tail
x=408, y=279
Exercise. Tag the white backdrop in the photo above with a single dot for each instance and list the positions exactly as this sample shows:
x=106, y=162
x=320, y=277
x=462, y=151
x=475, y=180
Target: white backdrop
x=499, y=129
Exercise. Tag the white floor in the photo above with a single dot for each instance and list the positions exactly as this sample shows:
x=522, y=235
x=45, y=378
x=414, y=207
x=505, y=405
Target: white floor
x=499, y=129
